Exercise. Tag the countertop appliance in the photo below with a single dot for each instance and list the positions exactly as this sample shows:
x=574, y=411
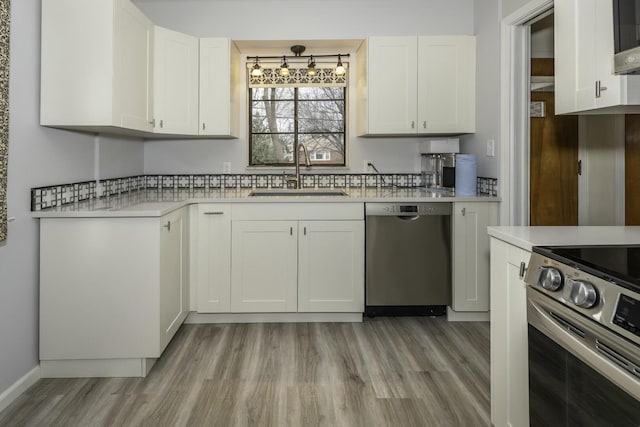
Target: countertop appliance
x=442, y=168
x=626, y=36
x=583, y=314
x=408, y=258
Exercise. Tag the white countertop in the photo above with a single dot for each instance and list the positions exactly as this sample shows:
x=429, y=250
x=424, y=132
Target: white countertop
x=528, y=237
x=151, y=202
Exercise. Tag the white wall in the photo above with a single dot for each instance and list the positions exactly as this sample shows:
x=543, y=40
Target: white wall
x=487, y=30
x=299, y=20
x=37, y=156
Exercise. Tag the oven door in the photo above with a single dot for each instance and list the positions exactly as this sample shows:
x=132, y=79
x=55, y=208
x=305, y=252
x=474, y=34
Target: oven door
x=580, y=374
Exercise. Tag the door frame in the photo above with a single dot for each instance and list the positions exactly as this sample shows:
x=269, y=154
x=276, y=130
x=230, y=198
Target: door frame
x=514, y=111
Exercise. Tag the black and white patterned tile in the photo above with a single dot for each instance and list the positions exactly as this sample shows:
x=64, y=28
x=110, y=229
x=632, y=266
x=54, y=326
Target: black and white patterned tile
x=62, y=194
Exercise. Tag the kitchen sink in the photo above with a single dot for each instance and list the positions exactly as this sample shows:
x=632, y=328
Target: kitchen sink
x=297, y=192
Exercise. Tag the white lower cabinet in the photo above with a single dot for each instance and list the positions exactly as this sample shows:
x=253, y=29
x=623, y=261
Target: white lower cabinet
x=471, y=255
x=264, y=266
x=113, y=292
x=331, y=266
x=280, y=258
x=214, y=258
x=509, y=348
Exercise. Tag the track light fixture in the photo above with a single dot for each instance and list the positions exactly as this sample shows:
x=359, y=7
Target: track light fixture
x=340, y=70
x=311, y=67
x=284, y=68
x=256, y=70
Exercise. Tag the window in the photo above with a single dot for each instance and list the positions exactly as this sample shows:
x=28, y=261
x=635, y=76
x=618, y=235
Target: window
x=283, y=116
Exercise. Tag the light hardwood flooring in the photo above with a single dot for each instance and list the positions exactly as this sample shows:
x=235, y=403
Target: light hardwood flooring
x=383, y=372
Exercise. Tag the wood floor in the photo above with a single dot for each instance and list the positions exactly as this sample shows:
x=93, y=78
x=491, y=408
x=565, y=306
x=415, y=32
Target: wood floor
x=382, y=372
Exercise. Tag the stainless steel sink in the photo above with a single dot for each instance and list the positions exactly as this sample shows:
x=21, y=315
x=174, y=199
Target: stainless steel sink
x=297, y=192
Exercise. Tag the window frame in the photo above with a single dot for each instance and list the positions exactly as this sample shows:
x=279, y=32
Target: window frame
x=296, y=133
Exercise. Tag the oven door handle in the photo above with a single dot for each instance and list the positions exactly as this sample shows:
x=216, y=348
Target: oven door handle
x=565, y=329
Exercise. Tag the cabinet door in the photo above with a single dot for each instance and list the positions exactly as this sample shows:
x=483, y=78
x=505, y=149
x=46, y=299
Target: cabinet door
x=133, y=36
x=584, y=49
x=175, y=82
x=174, y=286
x=471, y=255
x=264, y=266
x=331, y=266
x=219, y=87
x=446, y=84
x=214, y=258
x=392, y=80
x=509, y=347
x=594, y=55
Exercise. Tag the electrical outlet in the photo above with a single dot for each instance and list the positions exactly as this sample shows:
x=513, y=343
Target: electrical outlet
x=491, y=148
x=365, y=166
x=226, y=167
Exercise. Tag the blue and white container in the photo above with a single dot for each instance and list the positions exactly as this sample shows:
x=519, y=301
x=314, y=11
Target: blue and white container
x=466, y=174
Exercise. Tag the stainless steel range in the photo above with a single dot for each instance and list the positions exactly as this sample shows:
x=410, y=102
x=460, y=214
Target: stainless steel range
x=583, y=310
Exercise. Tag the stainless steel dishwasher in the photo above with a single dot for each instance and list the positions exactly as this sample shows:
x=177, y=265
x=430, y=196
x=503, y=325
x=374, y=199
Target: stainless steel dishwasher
x=408, y=258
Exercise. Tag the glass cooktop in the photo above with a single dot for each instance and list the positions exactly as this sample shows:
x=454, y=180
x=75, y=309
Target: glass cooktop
x=617, y=263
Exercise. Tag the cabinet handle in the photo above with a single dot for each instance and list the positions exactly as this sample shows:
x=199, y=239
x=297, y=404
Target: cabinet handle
x=161, y=124
x=523, y=270
x=464, y=211
x=424, y=124
x=599, y=88
x=305, y=231
x=413, y=125
x=168, y=226
x=204, y=126
x=214, y=213
x=153, y=122
x=290, y=231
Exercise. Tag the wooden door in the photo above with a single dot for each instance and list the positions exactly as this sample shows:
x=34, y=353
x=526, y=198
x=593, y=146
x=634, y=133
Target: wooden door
x=553, y=180
x=632, y=170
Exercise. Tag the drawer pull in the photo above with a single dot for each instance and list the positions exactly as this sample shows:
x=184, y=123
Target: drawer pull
x=214, y=213
x=168, y=226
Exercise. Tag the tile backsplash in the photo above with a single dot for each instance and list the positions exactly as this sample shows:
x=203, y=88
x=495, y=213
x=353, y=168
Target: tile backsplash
x=63, y=194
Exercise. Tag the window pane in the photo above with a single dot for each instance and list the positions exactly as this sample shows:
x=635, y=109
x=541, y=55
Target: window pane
x=321, y=93
x=272, y=116
x=268, y=149
x=321, y=116
x=279, y=93
x=333, y=144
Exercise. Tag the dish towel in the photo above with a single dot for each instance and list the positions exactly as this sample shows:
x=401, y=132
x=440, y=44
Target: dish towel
x=466, y=174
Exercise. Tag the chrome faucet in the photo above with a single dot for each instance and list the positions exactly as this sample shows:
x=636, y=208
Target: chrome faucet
x=307, y=162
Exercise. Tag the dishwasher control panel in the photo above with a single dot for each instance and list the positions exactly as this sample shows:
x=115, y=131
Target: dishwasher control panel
x=407, y=209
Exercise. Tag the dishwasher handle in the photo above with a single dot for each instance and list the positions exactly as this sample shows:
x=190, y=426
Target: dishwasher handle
x=410, y=210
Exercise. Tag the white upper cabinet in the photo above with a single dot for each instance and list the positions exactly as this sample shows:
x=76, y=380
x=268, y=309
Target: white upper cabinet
x=219, y=87
x=175, y=82
x=447, y=84
x=96, y=66
x=585, y=80
x=416, y=85
x=392, y=75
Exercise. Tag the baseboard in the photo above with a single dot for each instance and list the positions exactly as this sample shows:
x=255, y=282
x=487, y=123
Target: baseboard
x=19, y=387
x=96, y=368
x=467, y=316
x=195, y=318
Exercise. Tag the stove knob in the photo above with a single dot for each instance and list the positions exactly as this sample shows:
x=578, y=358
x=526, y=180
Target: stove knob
x=583, y=294
x=550, y=278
